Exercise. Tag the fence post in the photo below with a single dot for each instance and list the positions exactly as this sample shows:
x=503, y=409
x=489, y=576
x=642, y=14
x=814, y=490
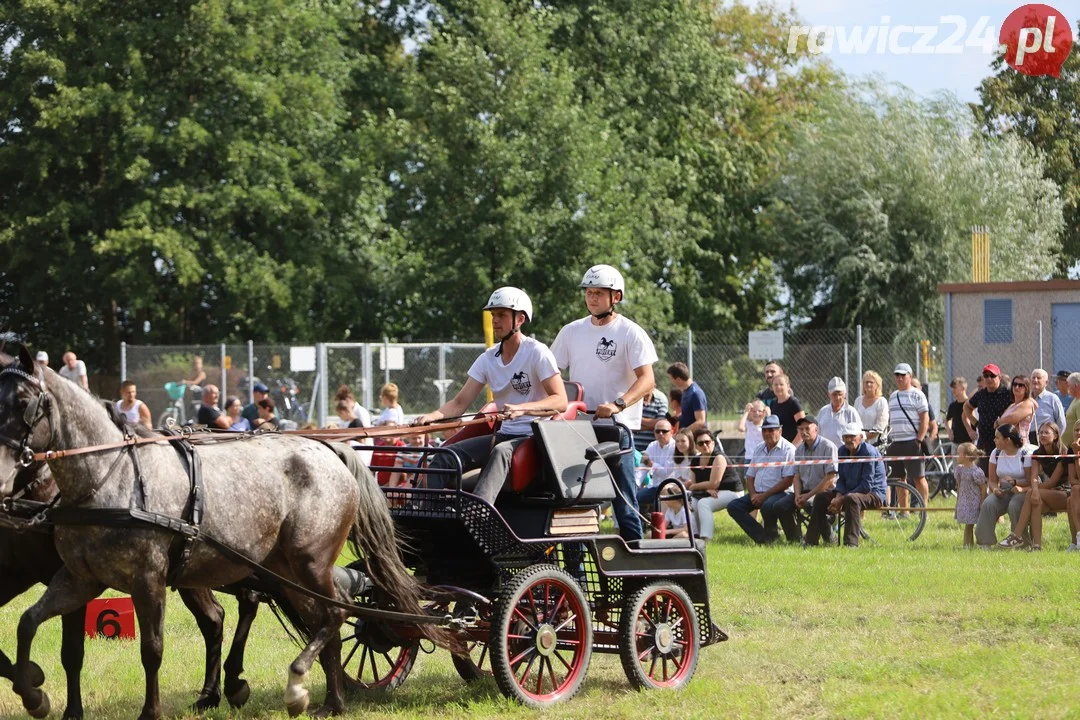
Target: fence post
x=847, y=374
x=690, y=351
x=123, y=361
x=251, y=371
x=858, y=351
x=369, y=374
x=224, y=374
x=918, y=362
x=386, y=359
x=322, y=373
x=442, y=374
x=948, y=338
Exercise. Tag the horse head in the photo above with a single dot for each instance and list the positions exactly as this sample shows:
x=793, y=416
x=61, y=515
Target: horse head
x=26, y=422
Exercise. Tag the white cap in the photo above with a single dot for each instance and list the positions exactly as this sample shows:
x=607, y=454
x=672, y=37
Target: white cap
x=902, y=369
x=850, y=428
x=837, y=384
x=42, y=356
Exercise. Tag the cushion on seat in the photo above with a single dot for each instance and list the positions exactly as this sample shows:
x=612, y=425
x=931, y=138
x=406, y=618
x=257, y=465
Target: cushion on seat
x=562, y=443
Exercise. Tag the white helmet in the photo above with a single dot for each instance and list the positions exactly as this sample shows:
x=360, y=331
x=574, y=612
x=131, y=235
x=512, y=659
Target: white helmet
x=604, y=276
x=513, y=299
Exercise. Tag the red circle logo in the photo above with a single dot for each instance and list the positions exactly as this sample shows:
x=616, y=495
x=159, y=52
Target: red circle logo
x=1036, y=40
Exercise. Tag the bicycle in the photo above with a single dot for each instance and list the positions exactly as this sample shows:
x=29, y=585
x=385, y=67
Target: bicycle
x=890, y=526
x=175, y=412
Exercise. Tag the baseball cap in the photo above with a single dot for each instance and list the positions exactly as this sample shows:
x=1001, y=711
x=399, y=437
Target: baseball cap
x=850, y=428
x=42, y=356
x=1063, y=374
x=837, y=384
x=260, y=387
x=992, y=369
x=771, y=422
x=902, y=369
x=807, y=419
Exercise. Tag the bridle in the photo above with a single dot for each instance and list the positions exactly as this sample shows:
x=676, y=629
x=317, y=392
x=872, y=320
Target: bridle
x=40, y=408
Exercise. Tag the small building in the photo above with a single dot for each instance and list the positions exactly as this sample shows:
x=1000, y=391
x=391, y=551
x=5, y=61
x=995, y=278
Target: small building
x=1017, y=325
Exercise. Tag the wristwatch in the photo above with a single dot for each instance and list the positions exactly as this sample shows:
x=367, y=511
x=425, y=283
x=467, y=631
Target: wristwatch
x=620, y=403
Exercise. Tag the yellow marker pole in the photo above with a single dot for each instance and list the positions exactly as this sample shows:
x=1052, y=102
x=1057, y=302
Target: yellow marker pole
x=489, y=340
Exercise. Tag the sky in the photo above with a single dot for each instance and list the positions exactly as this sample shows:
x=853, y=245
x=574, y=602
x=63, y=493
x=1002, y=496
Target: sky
x=924, y=73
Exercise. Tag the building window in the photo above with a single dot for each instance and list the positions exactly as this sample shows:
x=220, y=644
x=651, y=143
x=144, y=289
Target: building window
x=997, y=322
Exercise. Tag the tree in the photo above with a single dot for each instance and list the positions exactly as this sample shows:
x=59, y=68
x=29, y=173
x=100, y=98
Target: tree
x=1044, y=111
x=875, y=209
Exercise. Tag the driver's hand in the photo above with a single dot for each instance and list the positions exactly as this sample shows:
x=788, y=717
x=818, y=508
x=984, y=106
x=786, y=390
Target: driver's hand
x=606, y=410
x=512, y=411
x=425, y=419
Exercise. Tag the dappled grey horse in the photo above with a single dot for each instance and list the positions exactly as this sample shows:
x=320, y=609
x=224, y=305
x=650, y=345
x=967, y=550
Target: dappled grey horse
x=282, y=501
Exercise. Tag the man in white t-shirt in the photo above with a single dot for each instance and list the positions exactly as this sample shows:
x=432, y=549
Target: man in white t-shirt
x=74, y=370
x=612, y=358
x=523, y=377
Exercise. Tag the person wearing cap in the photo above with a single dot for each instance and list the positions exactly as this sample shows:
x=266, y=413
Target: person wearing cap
x=859, y=486
x=837, y=413
x=991, y=401
x=612, y=358
x=259, y=392
x=1049, y=408
x=810, y=481
x=1061, y=382
x=766, y=488
x=909, y=423
x=42, y=359
x=523, y=377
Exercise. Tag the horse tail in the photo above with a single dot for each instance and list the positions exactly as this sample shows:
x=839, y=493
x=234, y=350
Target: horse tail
x=374, y=538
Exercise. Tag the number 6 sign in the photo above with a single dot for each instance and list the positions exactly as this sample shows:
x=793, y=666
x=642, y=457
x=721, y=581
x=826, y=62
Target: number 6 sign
x=110, y=618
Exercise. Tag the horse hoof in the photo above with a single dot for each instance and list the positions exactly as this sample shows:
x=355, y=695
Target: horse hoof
x=325, y=711
x=237, y=698
x=299, y=703
x=206, y=702
x=73, y=714
x=43, y=708
x=37, y=675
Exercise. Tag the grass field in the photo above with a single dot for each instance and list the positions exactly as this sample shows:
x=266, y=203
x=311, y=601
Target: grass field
x=928, y=630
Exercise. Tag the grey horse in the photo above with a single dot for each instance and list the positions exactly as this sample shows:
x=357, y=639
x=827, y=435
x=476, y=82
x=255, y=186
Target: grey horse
x=285, y=502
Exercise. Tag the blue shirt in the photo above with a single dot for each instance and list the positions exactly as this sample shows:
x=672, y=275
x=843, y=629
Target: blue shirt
x=1066, y=400
x=861, y=477
x=693, y=399
x=1049, y=409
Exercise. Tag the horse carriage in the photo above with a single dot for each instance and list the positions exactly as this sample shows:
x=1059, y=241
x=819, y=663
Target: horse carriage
x=525, y=589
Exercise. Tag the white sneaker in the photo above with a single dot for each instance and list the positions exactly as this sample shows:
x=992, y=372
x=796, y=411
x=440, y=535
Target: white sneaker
x=1072, y=548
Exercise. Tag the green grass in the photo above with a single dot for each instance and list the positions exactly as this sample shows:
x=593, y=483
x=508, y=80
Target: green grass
x=926, y=630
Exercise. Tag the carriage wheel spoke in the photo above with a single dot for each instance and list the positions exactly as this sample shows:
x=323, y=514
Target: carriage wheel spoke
x=551, y=674
x=532, y=626
x=516, y=660
x=566, y=622
x=350, y=655
x=569, y=667
x=363, y=660
x=652, y=666
x=528, y=669
x=483, y=655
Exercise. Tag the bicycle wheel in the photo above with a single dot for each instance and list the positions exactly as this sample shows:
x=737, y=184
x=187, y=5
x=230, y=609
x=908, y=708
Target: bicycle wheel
x=165, y=416
x=901, y=524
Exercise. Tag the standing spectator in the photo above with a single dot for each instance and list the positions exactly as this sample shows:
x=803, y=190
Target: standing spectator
x=1022, y=411
x=1010, y=462
x=134, y=410
x=909, y=421
x=767, y=486
x=954, y=415
x=873, y=409
x=991, y=401
x=694, y=406
x=786, y=407
x=210, y=414
x=832, y=418
x=654, y=407
x=612, y=357
x=970, y=489
x=1072, y=415
x=755, y=413
x=234, y=409
x=392, y=412
x=1049, y=404
x=767, y=396
x=259, y=392
x=811, y=481
x=932, y=427
x=1061, y=381
x=42, y=359
x=198, y=373
x=859, y=486
x=714, y=484
x=74, y=370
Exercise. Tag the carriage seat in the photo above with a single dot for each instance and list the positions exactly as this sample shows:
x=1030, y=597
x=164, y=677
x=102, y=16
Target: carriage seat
x=575, y=471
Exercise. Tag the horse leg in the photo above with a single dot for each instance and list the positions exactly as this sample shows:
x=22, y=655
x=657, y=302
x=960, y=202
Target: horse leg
x=330, y=658
x=71, y=657
x=237, y=690
x=7, y=668
x=329, y=621
x=148, y=598
x=66, y=593
x=209, y=616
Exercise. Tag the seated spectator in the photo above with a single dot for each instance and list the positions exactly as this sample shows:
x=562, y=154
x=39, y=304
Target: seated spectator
x=403, y=462
x=837, y=414
x=859, y=486
x=267, y=420
x=653, y=407
x=714, y=484
x=750, y=423
x=1010, y=462
x=873, y=409
x=659, y=458
x=210, y=414
x=1048, y=480
x=682, y=463
x=237, y=422
x=134, y=410
x=812, y=481
x=392, y=412
x=259, y=392
x=767, y=485
x=787, y=407
x=1049, y=405
x=676, y=516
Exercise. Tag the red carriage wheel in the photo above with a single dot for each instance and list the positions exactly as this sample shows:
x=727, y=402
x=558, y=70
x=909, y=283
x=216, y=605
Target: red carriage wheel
x=372, y=658
x=477, y=664
x=659, y=637
x=541, y=637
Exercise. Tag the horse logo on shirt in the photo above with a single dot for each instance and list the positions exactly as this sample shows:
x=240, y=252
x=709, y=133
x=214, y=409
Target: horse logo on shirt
x=605, y=350
x=520, y=382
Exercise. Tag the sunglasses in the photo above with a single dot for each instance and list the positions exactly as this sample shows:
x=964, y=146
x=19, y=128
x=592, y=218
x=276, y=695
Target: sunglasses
x=700, y=443
x=989, y=375
x=1018, y=385
x=662, y=431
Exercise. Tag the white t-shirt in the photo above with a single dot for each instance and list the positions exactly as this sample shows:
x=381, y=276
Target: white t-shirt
x=1014, y=468
x=74, y=375
x=131, y=414
x=830, y=422
x=663, y=463
x=753, y=439
x=361, y=413
x=391, y=415
x=516, y=383
x=675, y=517
x=603, y=359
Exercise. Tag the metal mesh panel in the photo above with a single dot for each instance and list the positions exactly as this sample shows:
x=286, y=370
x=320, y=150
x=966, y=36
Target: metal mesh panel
x=152, y=366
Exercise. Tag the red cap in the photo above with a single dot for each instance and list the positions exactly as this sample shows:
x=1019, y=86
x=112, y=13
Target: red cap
x=992, y=369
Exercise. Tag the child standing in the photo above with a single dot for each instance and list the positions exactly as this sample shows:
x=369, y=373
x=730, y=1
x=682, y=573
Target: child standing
x=970, y=489
x=755, y=413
